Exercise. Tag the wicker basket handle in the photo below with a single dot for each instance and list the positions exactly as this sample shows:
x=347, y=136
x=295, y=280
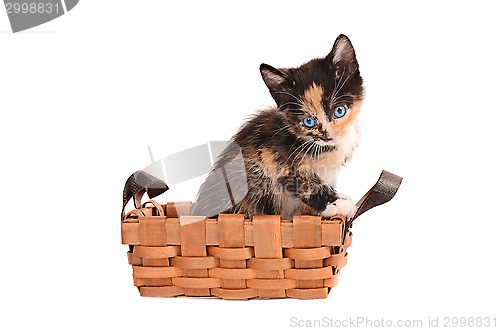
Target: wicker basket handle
x=158, y=209
x=383, y=191
x=139, y=183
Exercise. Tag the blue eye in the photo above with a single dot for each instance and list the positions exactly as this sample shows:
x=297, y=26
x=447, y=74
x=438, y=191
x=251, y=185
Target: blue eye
x=309, y=122
x=339, y=111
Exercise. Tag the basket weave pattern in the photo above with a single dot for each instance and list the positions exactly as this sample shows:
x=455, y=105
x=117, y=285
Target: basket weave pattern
x=232, y=257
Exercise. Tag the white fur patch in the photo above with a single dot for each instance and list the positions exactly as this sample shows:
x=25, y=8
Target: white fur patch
x=342, y=206
x=348, y=143
x=328, y=166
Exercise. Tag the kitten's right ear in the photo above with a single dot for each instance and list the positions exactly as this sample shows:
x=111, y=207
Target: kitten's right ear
x=278, y=82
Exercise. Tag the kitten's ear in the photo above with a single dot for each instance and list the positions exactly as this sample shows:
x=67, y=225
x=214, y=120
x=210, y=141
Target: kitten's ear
x=342, y=57
x=278, y=82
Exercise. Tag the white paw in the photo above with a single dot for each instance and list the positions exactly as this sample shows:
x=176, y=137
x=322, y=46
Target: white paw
x=342, y=206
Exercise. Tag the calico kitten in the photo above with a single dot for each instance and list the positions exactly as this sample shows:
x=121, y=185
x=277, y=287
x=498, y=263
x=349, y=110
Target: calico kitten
x=286, y=159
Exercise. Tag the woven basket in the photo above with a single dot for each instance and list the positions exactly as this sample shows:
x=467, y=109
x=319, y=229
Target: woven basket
x=232, y=257
x=173, y=254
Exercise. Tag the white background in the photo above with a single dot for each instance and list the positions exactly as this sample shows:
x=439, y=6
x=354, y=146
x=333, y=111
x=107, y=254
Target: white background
x=83, y=96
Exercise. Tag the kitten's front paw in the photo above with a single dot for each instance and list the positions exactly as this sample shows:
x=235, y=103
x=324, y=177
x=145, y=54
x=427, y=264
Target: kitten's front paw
x=342, y=206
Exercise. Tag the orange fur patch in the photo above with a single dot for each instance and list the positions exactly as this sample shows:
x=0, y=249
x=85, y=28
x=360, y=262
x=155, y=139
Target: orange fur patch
x=312, y=99
x=341, y=125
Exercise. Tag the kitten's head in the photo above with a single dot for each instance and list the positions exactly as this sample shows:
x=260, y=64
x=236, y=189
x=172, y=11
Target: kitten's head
x=322, y=98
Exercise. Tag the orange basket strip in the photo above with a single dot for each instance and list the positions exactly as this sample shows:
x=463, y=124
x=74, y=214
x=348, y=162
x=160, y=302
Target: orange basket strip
x=152, y=231
x=231, y=253
x=193, y=240
x=196, y=283
x=156, y=272
x=195, y=262
x=154, y=282
x=231, y=274
x=231, y=235
x=306, y=235
x=134, y=259
x=157, y=252
x=238, y=294
x=272, y=284
x=336, y=260
x=315, y=293
x=310, y=274
x=307, y=253
x=231, y=230
x=155, y=262
x=331, y=282
x=130, y=232
x=193, y=244
x=307, y=231
x=161, y=292
x=267, y=241
x=270, y=264
x=331, y=232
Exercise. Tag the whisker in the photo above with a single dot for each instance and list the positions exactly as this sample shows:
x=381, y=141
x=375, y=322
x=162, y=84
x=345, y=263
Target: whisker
x=318, y=152
x=336, y=88
x=340, y=80
x=306, y=152
x=343, y=97
x=293, y=96
x=304, y=145
x=292, y=103
x=298, y=114
x=296, y=150
x=281, y=129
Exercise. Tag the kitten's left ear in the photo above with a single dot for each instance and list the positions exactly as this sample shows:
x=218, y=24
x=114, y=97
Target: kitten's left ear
x=342, y=57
